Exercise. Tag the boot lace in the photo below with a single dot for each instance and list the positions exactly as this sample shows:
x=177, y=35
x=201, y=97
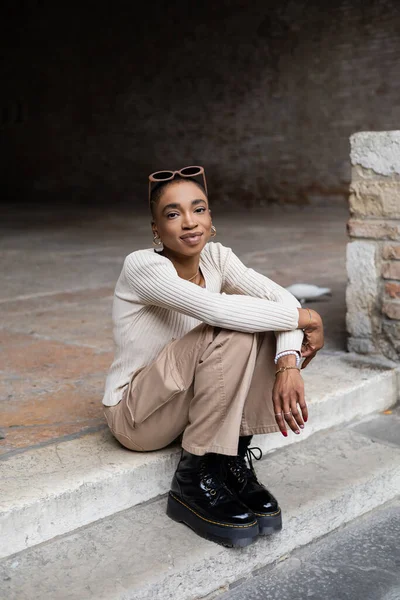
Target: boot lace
x=243, y=470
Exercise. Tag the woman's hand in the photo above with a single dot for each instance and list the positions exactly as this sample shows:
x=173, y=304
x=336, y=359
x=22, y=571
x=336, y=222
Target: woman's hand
x=287, y=394
x=313, y=334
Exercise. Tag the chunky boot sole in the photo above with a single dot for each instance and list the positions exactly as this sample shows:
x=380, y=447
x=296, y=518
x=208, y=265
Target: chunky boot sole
x=231, y=536
x=269, y=523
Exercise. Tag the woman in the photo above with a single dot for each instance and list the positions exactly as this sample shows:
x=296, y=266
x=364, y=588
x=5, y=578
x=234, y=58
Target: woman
x=207, y=349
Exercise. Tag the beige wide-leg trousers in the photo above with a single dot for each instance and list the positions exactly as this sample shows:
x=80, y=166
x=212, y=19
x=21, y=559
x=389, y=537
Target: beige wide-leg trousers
x=212, y=385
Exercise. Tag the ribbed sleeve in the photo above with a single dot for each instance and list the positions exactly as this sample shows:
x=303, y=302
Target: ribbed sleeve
x=156, y=282
x=239, y=279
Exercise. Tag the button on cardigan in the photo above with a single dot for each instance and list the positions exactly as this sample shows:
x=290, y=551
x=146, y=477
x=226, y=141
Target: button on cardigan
x=152, y=305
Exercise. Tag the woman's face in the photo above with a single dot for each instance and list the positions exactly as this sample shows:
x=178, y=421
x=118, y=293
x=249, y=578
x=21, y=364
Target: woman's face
x=182, y=218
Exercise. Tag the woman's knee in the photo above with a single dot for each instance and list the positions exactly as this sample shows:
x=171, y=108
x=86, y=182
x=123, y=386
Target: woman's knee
x=241, y=339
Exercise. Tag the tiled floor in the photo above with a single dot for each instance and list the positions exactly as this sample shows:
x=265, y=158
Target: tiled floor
x=58, y=275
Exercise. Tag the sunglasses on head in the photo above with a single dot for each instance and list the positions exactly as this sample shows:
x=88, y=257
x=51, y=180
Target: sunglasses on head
x=193, y=171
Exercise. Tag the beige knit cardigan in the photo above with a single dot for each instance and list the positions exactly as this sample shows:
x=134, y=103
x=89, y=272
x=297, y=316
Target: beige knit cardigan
x=152, y=305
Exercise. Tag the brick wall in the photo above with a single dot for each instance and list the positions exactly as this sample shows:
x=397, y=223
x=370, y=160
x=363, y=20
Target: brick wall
x=264, y=94
x=373, y=253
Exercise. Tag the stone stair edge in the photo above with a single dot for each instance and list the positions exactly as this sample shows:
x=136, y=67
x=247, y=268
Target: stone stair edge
x=167, y=561
x=97, y=452
x=86, y=491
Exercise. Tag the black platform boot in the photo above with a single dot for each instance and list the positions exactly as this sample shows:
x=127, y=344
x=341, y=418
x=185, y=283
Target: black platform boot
x=242, y=479
x=200, y=499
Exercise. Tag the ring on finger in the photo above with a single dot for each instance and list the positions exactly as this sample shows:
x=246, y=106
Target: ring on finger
x=288, y=413
x=278, y=414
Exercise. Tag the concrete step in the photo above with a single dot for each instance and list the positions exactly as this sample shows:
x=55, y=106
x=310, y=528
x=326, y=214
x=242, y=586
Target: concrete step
x=140, y=554
x=358, y=561
x=57, y=488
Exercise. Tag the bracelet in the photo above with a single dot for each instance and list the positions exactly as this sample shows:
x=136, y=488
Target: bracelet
x=289, y=353
x=309, y=312
x=285, y=369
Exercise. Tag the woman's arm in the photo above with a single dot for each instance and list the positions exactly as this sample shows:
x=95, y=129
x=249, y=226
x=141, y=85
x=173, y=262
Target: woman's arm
x=155, y=281
x=290, y=407
x=239, y=279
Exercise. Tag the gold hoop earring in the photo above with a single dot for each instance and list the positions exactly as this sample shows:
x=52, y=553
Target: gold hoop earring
x=213, y=231
x=157, y=240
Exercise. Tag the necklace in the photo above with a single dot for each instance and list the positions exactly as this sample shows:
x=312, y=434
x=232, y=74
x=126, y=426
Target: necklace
x=194, y=276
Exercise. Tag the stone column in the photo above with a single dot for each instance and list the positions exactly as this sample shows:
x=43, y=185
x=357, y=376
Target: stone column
x=373, y=253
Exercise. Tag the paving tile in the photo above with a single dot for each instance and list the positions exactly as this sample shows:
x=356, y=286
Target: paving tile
x=25, y=354
x=50, y=301
x=48, y=390
x=31, y=414
x=27, y=437
x=72, y=402
x=38, y=272
x=85, y=323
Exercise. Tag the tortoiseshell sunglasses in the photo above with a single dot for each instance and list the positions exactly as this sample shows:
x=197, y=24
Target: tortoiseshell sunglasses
x=192, y=171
